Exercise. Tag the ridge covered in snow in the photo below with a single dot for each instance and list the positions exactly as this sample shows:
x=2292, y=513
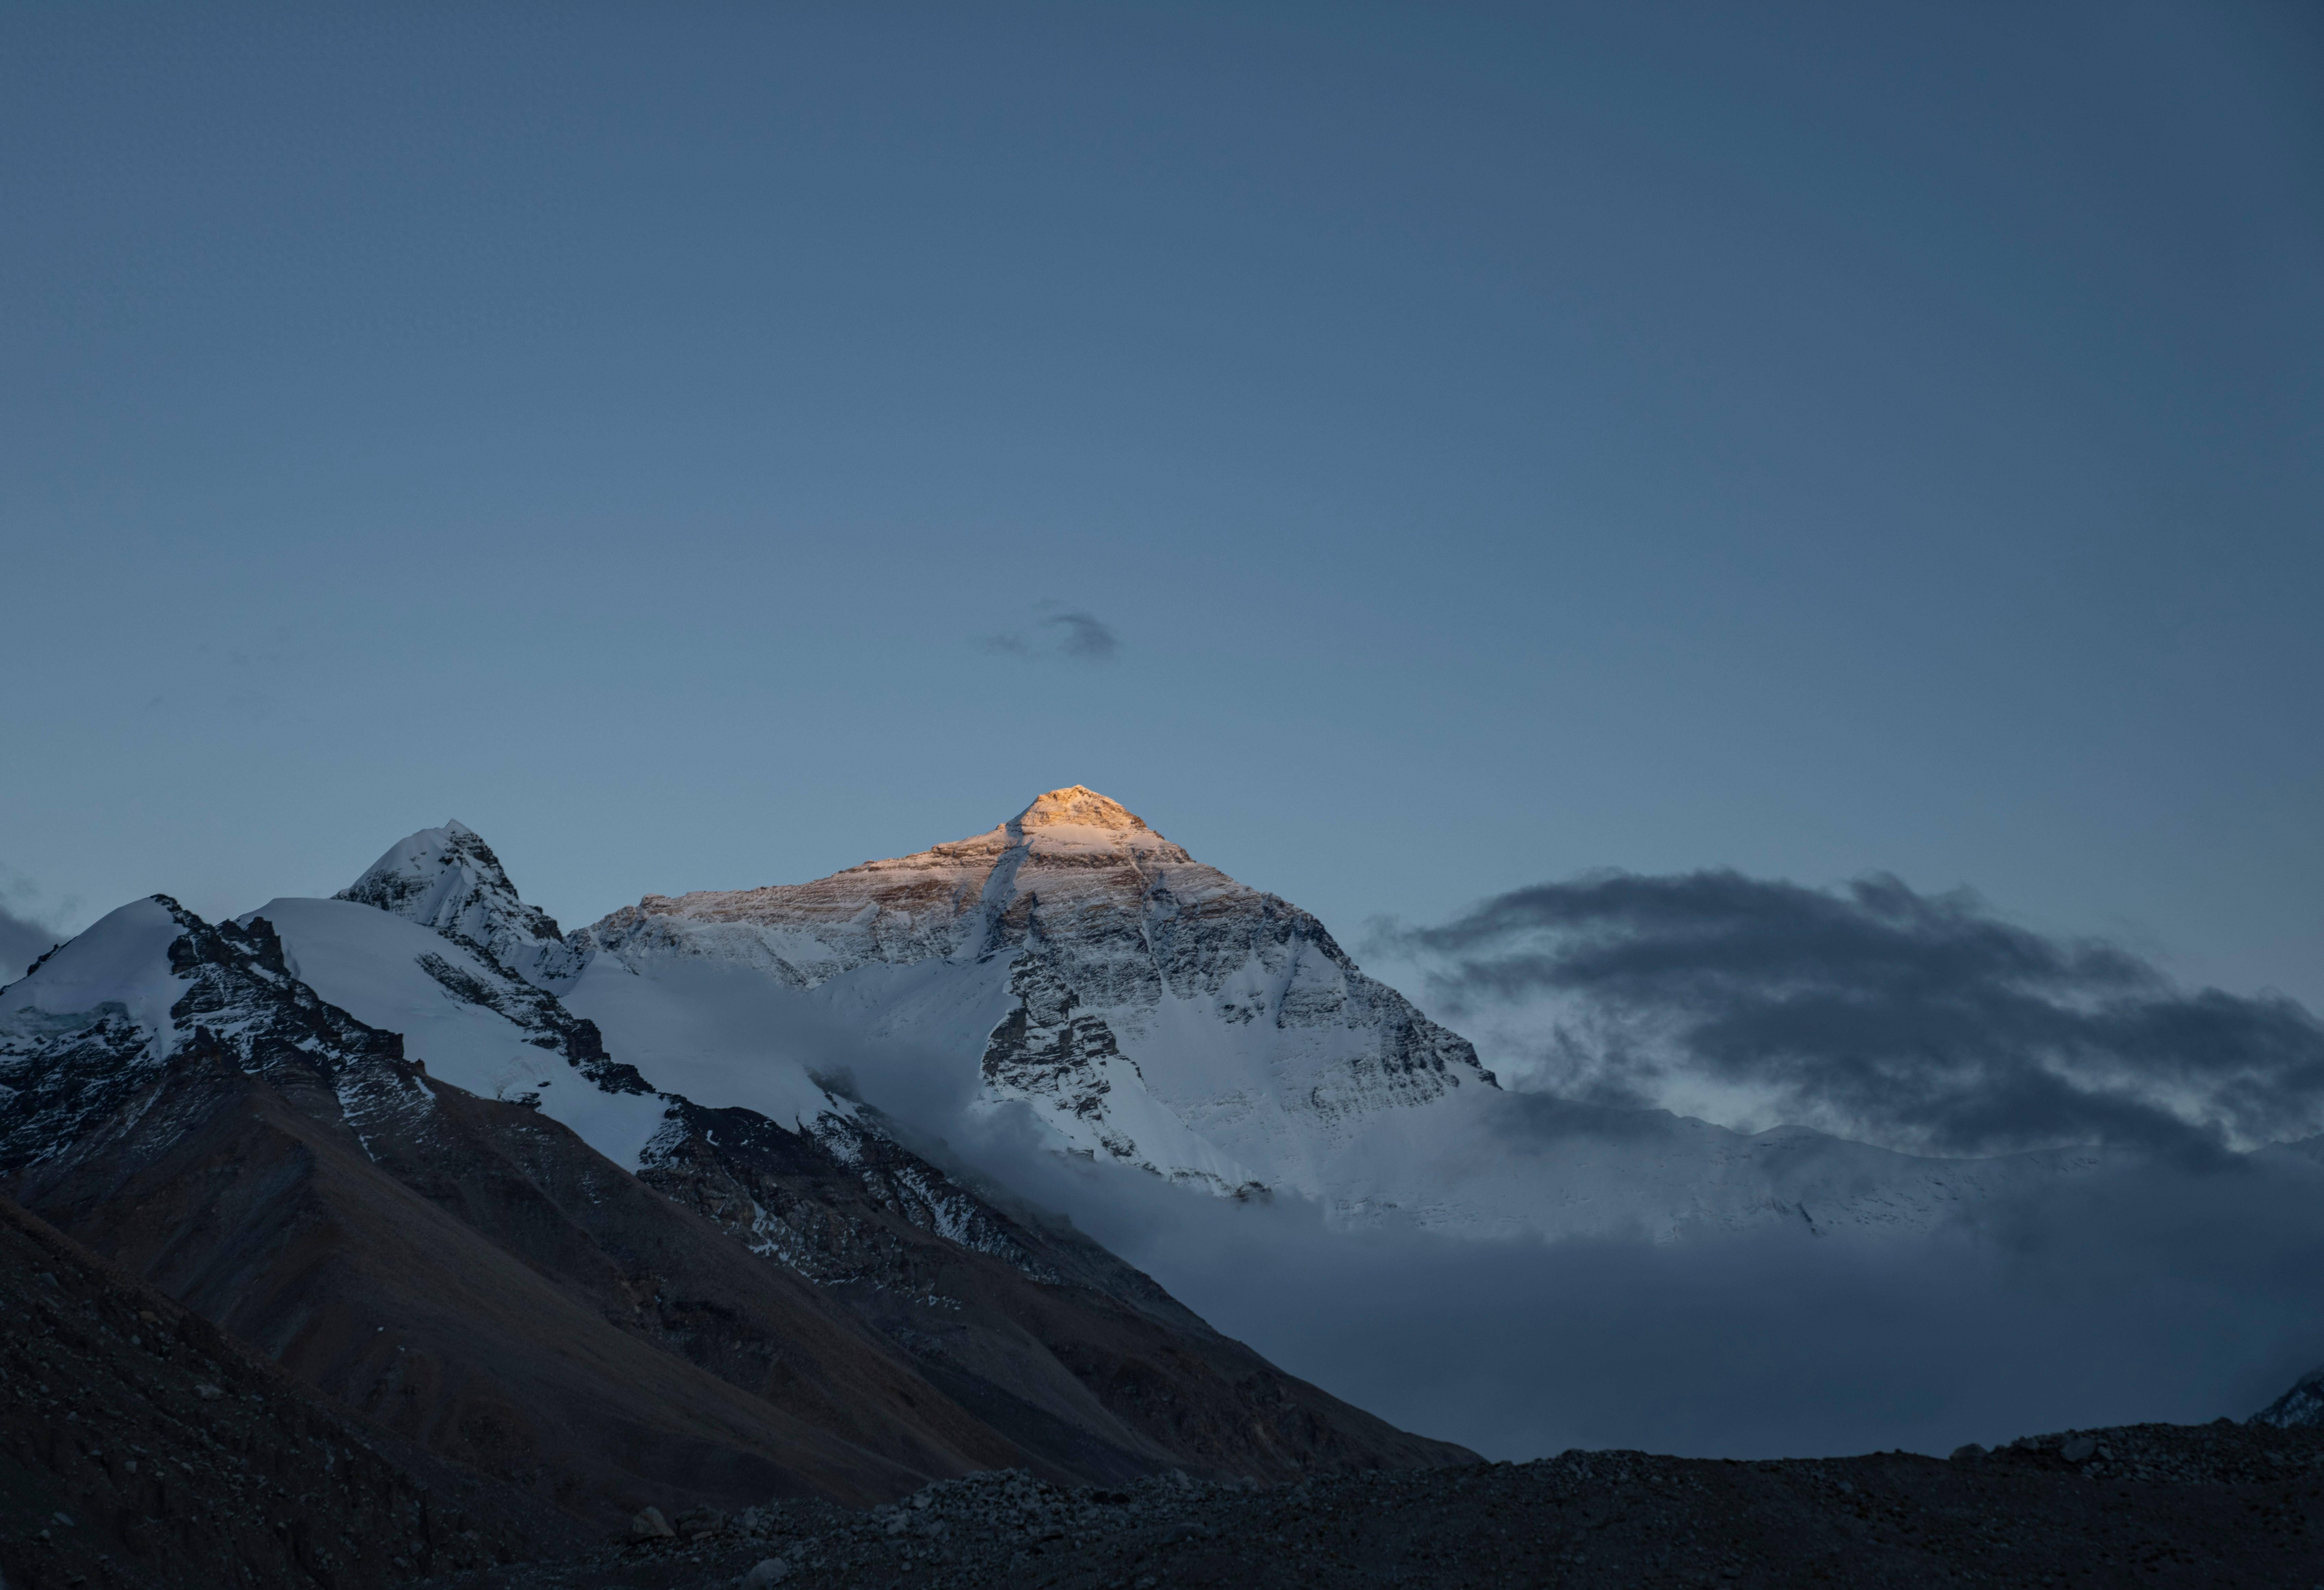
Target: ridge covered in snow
x=372, y=1002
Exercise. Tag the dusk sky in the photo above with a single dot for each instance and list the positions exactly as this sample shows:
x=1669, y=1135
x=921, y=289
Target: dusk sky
x=1405, y=454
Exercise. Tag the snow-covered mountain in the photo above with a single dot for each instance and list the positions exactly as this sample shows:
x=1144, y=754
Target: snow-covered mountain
x=326, y=1121
x=1148, y=1009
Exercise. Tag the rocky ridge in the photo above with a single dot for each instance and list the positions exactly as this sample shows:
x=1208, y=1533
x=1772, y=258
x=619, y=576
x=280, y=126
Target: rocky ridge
x=217, y=991
x=2300, y=1407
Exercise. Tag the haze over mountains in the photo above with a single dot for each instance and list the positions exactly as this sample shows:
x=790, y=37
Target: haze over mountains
x=1147, y=1010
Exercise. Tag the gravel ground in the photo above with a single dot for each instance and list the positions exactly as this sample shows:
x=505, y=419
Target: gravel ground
x=2213, y=1505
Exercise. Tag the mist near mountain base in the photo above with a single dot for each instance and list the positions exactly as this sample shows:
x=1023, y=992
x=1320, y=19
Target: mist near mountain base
x=2172, y=1293
x=2166, y=1289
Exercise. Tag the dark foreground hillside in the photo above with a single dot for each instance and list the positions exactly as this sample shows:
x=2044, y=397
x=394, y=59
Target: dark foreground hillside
x=139, y=1446
x=2211, y=1505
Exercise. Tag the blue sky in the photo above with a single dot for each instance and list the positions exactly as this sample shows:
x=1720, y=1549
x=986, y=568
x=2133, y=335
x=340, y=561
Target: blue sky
x=679, y=443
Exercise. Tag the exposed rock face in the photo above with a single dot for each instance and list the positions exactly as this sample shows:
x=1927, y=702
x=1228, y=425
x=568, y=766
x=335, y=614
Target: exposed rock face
x=826, y=1202
x=1124, y=959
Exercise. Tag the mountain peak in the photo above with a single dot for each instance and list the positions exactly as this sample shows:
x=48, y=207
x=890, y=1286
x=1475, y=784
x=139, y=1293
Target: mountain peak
x=447, y=878
x=1077, y=806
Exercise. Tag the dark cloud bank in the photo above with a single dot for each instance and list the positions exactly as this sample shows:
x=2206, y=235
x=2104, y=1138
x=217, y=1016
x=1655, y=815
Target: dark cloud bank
x=2182, y=1283
x=1920, y=1021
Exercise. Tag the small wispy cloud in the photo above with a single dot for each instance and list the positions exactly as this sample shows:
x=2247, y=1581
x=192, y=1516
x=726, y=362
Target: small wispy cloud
x=1071, y=634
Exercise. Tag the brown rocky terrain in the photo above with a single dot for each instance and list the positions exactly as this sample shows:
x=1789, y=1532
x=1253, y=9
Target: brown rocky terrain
x=482, y=1283
x=1047, y=1338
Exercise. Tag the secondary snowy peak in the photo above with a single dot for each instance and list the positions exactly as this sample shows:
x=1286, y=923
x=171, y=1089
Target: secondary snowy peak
x=447, y=878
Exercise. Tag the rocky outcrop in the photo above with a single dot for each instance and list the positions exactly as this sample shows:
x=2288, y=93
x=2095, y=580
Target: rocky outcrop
x=209, y=993
x=841, y=1202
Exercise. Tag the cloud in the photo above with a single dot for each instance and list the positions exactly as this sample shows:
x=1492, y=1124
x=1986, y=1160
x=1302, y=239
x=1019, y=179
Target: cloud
x=1922, y=1021
x=1074, y=635
x=1084, y=636
x=24, y=936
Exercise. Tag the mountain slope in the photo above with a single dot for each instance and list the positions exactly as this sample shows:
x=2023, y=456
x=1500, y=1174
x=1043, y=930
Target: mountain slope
x=139, y=1444
x=1056, y=1342
x=464, y=1271
x=1148, y=1008
x=448, y=879
x=742, y=1309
